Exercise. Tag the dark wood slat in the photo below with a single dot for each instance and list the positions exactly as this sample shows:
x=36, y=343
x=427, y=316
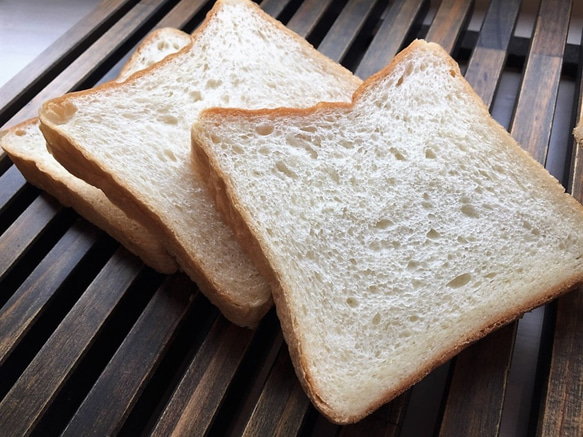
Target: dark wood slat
x=66, y=45
x=111, y=399
x=563, y=409
x=480, y=373
x=181, y=14
x=202, y=388
x=385, y=422
x=345, y=29
x=282, y=405
x=487, y=61
x=533, y=119
x=28, y=302
x=274, y=7
x=476, y=395
x=12, y=183
x=307, y=16
x=56, y=361
x=390, y=37
x=25, y=230
x=448, y=22
x=92, y=59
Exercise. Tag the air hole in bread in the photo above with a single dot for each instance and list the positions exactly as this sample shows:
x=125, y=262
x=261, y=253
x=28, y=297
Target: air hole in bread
x=168, y=119
x=384, y=224
x=352, y=302
x=376, y=319
x=412, y=265
x=460, y=281
x=470, y=211
x=430, y=154
x=195, y=96
x=398, y=154
x=264, y=129
x=283, y=168
x=433, y=234
x=213, y=83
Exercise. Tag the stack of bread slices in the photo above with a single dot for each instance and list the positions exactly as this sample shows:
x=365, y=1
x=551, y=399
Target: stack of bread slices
x=392, y=222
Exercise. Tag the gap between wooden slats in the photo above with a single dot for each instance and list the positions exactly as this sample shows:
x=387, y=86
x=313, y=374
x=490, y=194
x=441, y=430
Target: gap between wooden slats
x=479, y=374
x=25, y=230
x=78, y=74
x=390, y=36
x=44, y=68
x=46, y=375
x=32, y=298
x=112, y=397
x=345, y=29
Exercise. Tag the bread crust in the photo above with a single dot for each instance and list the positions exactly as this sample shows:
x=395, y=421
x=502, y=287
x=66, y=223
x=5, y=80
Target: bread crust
x=258, y=249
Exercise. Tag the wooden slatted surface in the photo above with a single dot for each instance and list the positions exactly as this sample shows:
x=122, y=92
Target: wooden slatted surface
x=92, y=342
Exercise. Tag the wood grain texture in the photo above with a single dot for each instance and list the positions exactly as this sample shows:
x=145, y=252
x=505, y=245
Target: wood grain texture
x=448, y=22
x=116, y=391
x=52, y=366
x=25, y=230
x=533, y=118
x=345, y=29
x=282, y=405
x=28, y=302
x=192, y=408
x=307, y=16
x=390, y=37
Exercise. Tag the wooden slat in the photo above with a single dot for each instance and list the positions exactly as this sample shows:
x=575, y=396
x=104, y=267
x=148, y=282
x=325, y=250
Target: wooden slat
x=274, y=7
x=448, y=22
x=390, y=36
x=563, y=407
x=12, y=183
x=111, y=399
x=181, y=14
x=195, y=402
x=28, y=302
x=533, y=119
x=92, y=59
x=47, y=63
x=26, y=230
x=56, y=361
x=282, y=405
x=345, y=29
x=480, y=373
x=487, y=61
x=307, y=16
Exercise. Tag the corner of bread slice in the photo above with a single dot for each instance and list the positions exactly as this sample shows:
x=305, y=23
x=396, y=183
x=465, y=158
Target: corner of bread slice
x=395, y=231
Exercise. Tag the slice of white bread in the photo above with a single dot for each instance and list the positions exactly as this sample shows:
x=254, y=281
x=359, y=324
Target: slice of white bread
x=26, y=147
x=133, y=139
x=394, y=230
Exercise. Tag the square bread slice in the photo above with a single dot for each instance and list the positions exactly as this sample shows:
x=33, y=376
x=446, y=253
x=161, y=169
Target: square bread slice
x=395, y=230
x=132, y=140
x=26, y=147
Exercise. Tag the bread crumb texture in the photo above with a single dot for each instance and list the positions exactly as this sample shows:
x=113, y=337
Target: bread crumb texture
x=401, y=227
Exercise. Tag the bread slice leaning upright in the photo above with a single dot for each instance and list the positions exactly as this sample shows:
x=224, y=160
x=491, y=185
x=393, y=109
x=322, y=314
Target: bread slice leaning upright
x=26, y=146
x=395, y=230
x=132, y=140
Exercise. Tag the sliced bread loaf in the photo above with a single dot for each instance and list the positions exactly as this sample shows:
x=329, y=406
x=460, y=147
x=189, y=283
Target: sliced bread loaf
x=394, y=230
x=133, y=139
x=26, y=147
